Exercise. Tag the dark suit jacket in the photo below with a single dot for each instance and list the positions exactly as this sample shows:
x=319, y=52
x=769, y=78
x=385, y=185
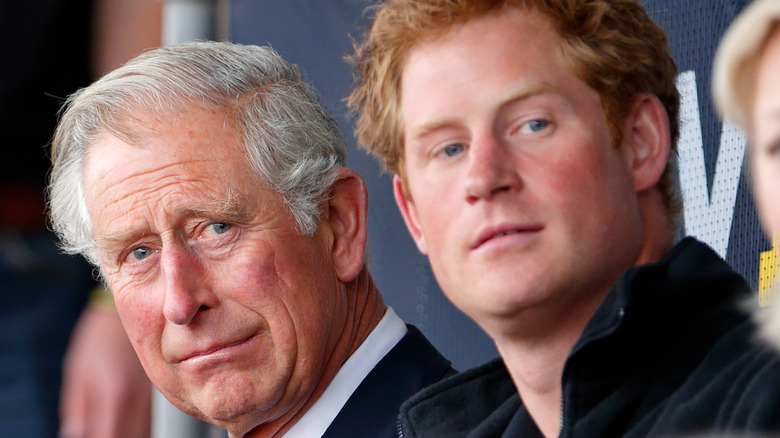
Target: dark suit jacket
x=372, y=410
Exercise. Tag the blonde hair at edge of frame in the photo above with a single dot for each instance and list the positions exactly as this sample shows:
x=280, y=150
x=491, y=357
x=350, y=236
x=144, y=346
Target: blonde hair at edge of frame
x=735, y=61
x=612, y=45
x=734, y=74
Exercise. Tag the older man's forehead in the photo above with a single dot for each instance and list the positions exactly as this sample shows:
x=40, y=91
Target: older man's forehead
x=181, y=169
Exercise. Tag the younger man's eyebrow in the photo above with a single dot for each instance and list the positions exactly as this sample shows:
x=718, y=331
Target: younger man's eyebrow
x=525, y=93
x=529, y=92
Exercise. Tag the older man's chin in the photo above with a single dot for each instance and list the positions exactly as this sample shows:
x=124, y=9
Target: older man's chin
x=230, y=403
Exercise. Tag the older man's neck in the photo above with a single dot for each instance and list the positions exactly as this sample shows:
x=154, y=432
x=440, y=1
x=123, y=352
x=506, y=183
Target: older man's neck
x=365, y=309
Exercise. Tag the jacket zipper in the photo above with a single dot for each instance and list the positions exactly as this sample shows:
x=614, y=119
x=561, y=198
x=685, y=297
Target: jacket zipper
x=613, y=329
x=398, y=426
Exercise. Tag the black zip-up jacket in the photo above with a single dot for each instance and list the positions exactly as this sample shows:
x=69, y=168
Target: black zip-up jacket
x=671, y=351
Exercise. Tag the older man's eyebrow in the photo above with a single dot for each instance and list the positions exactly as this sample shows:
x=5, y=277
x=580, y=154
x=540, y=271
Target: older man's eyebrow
x=113, y=243
x=119, y=237
x=231, y=208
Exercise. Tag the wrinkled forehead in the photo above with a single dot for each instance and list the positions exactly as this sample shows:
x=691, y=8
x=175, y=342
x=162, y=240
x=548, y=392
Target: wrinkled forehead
x=137, y=123
x=190, y=141
x=194, y=171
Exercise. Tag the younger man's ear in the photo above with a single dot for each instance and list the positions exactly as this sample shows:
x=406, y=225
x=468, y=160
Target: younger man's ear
x=409, y=213
x=346, y=216
x=647, y=139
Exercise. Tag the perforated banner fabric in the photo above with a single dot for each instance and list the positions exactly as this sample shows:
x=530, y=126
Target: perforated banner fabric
x=718, y=207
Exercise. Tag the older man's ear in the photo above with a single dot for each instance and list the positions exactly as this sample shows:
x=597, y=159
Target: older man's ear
x=345, y=218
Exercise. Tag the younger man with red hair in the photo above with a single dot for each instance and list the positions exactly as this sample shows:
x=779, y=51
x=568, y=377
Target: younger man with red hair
x=532, y=143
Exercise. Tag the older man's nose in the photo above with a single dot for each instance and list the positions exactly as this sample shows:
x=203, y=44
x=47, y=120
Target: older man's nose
x=187, y=291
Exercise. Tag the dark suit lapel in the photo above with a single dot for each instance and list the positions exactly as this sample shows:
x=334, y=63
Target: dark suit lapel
x=372, y=410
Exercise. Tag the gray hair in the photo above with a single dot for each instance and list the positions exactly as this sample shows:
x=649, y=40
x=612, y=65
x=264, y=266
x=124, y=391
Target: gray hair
x=734, y=67
x=292, y=143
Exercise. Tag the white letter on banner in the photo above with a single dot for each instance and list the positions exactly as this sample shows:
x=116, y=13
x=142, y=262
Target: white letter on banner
x=707, y=217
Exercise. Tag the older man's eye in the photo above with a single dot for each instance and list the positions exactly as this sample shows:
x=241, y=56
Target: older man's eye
x=140, y=253
x=220, y=227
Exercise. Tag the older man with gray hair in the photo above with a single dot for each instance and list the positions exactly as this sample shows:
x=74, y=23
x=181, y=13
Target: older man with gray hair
x=208, y=185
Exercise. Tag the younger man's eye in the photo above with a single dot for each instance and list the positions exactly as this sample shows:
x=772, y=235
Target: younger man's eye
x=453, y=149
x=534, y=126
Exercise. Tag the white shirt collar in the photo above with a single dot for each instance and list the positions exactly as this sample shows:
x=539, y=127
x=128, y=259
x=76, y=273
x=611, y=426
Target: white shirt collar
x=379, y=342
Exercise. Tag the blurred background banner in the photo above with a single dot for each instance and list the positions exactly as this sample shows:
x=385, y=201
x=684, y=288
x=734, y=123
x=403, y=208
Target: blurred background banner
x=315, y=34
